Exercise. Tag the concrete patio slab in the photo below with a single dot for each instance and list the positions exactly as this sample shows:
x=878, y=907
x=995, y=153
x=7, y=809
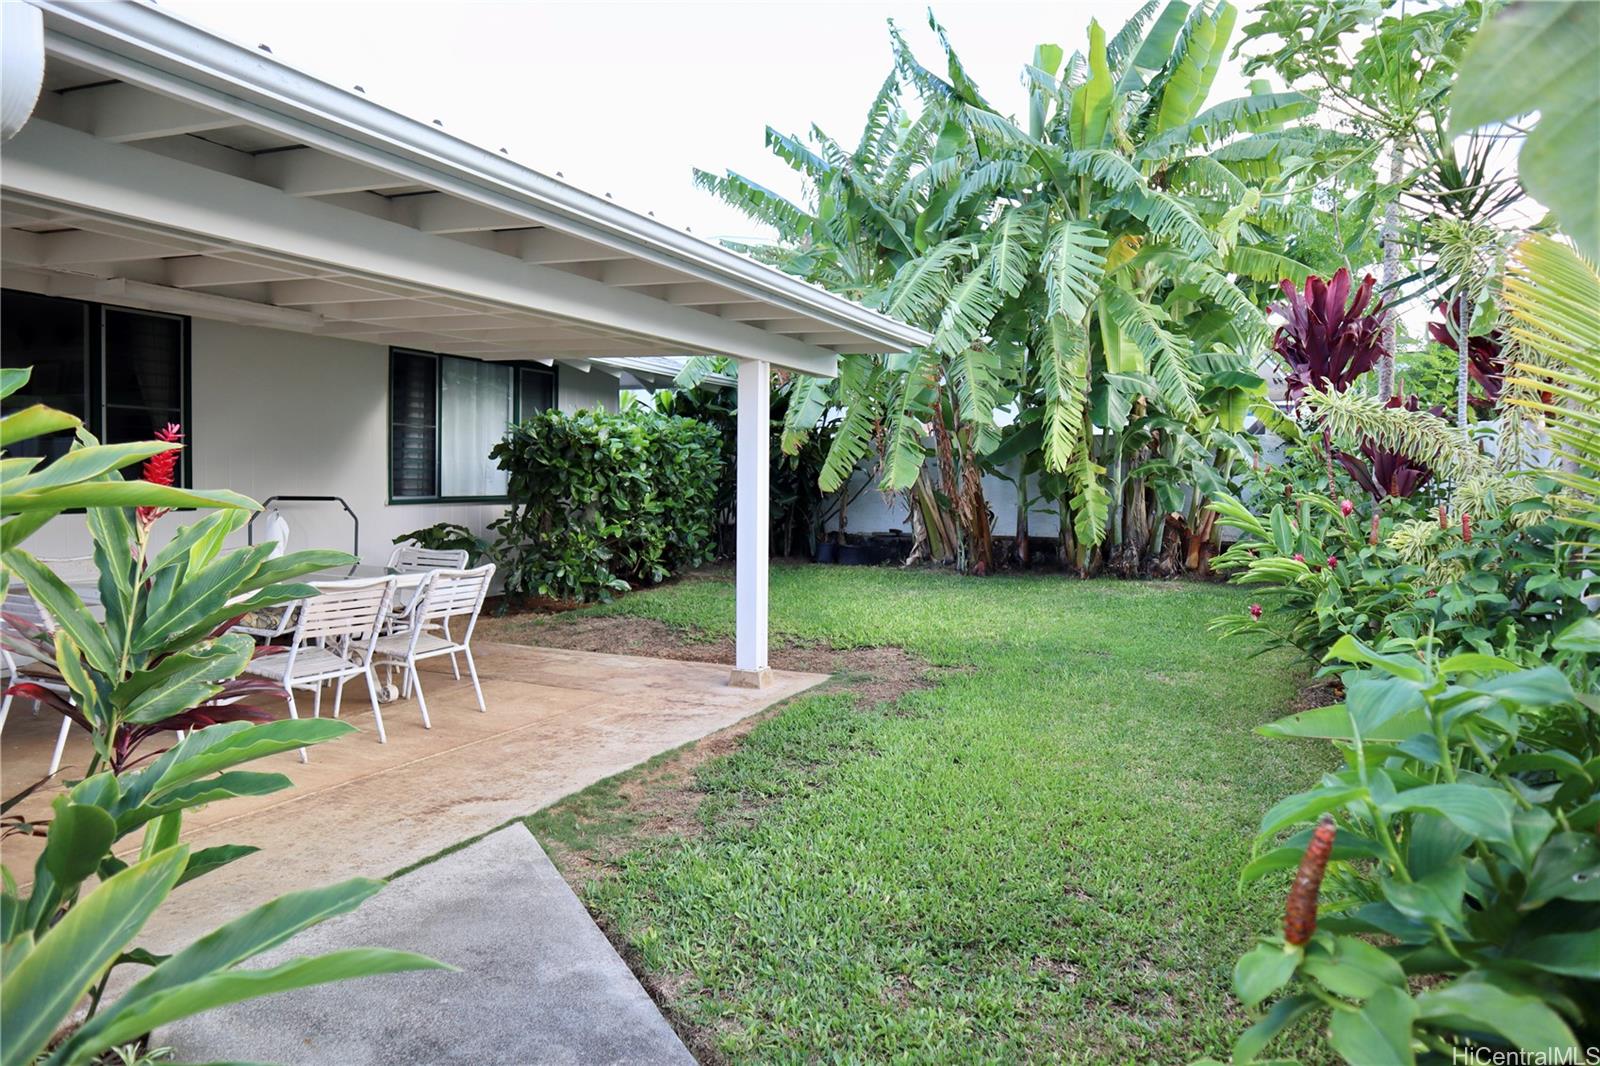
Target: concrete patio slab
x=539, y=983
x=557, y=722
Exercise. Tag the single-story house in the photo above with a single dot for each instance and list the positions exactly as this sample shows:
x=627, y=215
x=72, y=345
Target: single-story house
x=337, y=300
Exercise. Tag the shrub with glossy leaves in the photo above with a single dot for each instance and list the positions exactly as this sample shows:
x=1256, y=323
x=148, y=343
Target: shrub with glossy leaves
x=602, y=501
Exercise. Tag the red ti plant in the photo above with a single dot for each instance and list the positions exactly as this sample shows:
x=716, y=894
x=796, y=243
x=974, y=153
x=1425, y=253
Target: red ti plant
x=1383, y=473
x=1329, y=337
x=1486, y=363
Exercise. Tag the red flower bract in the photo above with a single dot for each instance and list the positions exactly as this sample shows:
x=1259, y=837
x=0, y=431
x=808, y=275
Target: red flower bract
x=1255, y=610
x=161, y=469
x=1300, y=916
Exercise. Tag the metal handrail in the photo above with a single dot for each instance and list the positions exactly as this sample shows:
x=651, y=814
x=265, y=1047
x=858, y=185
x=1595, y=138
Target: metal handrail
x=355, y=546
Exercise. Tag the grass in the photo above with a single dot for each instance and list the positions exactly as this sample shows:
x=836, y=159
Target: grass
x=1036, y=858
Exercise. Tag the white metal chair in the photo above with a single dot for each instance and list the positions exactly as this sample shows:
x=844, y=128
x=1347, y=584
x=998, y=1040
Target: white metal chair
x=334, y=638
x=447, y=595
x=414, y=559
x=25, y=610
x=410, y=559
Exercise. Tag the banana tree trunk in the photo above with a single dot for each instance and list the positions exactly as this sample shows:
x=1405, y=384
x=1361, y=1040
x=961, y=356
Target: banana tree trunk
x=1463, y=360
x=1391, y=266
x=1024, y=549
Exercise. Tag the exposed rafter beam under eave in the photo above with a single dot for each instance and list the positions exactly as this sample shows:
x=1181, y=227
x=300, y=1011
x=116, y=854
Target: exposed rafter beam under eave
x=56, y=164
x=308, y=172
x=124, y=113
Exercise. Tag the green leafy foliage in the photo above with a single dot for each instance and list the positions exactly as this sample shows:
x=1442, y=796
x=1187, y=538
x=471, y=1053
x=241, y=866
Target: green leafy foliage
x=448, y=536
x=31, y=495
x=1543, y=57
x=1463, y=898
x=161, y=660
x=601, y=501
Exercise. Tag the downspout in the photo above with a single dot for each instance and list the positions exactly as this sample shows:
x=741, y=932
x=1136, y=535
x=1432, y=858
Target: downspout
x=21, y=65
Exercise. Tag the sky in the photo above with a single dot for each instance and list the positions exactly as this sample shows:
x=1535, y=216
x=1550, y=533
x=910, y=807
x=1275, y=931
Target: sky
x=627, y=97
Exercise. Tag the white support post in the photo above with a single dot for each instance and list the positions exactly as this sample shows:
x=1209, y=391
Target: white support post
x=750, y=618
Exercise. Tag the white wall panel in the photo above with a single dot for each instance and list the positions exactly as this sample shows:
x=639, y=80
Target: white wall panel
x=577, y=389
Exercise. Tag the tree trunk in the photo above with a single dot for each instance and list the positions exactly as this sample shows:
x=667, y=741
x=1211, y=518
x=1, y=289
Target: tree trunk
x=1391, y=267
x=1024, y=549
x=1463, y=361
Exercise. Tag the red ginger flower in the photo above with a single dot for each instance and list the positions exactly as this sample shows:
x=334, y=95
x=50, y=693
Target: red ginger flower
x=1333, y=562
x=1299, y=558
x=1300, y=916
x=1345, y=507
x=1372, y=537
x=1255, y=610
x=160, y=469
x=1466, y=528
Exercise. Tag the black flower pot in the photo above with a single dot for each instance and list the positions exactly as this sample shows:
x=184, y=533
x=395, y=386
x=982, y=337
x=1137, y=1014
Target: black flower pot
x=853, y=555
x=826, y=552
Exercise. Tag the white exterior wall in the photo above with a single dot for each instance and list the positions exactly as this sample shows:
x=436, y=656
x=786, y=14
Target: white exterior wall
x=577, y=389
x=280, y=413
x=872, y=512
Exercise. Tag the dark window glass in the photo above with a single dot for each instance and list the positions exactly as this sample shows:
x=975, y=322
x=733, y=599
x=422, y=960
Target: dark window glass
x=144, y=368
x=414, y=433
x=144, y=361
x=52, y=337
x=537, y=390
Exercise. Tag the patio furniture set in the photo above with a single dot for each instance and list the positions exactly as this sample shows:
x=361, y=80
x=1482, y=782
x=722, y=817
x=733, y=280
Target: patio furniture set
x=422, y=604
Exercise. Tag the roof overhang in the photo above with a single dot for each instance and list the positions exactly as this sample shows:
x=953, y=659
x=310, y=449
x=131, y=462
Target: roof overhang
x=164, y=162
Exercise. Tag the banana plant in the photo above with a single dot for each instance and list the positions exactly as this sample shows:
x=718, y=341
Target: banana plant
x=1078, y=264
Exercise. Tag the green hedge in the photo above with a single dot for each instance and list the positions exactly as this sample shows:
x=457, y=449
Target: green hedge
x=603, y=501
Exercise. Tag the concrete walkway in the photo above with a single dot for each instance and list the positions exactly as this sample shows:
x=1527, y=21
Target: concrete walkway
x=557, y=722
x=539, y=983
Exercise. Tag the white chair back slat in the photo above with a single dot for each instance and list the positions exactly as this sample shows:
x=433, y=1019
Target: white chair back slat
x=452, y=594
x=410, y=559
x=20, y=605
x=344, y=609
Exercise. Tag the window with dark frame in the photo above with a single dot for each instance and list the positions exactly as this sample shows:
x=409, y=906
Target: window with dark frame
x=445, y=413
x=124, y=372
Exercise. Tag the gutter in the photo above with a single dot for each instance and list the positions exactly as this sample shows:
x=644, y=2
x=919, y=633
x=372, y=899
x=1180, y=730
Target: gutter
x=145, y=46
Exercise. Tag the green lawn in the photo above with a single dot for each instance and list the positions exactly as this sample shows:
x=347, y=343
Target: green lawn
x=1035, y=859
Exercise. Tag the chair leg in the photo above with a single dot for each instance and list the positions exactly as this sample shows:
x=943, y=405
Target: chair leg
x=5, y=705
x=316, y=703
x=294, y=712
x=472, y=667
x=61, y=744
x=414, y=678
x=372, y=694
x=454, y=668
x=338, y=694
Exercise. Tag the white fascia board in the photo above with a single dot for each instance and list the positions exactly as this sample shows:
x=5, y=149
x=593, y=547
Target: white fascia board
x=60, y=165
x=148, y=46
